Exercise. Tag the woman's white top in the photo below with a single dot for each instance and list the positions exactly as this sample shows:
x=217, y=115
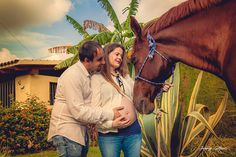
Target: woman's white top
x=106, y=96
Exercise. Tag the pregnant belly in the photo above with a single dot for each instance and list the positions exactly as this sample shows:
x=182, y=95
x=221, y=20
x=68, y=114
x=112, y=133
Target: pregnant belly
x=128, y=108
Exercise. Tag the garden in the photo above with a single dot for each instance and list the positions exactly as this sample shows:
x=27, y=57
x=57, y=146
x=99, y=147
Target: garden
x=24, y=125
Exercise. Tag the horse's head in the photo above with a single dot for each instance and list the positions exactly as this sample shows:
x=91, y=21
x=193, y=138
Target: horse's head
x=152, y=68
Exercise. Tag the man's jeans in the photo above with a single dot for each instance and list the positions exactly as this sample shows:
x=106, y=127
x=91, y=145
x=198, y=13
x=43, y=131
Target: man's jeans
x=111, y=146
x=68, y=148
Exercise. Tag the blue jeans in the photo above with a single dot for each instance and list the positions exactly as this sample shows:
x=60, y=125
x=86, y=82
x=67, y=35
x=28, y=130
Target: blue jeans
x=111, y=146
x=68, y=148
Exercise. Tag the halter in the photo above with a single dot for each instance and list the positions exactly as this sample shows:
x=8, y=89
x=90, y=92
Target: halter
x=152, y=51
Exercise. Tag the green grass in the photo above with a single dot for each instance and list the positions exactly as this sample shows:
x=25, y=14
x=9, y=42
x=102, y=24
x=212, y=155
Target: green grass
x=211, y=92
x=41, y=154
x=227, y=145
x=93, y=152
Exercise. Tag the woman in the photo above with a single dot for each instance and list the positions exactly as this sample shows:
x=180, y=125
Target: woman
x=113, y=88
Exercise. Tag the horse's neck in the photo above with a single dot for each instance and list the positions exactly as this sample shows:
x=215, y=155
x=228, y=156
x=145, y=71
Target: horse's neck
x=197, y=59
x=198, y=41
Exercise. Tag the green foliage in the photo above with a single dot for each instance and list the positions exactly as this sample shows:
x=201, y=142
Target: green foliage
x=77, y=26
x=212, y=88
x=121, y=34
x=68, y=62
x=103, y=37
x=111, y=13
x=171, y=135
x=133, y=9
x=211, y=92
x=24, y=127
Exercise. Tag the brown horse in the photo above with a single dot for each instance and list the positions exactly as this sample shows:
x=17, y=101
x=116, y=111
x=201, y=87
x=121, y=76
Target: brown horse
x=199, y=33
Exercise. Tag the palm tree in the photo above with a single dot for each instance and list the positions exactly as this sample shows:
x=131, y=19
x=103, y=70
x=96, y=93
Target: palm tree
x=122, y=32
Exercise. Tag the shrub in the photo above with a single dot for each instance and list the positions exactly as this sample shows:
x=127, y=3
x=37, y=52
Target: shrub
x=24, y=127
x=170, y=135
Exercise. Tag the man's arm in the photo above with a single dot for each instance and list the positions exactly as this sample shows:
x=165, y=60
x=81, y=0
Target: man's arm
x=81, y=110
x=119, y=121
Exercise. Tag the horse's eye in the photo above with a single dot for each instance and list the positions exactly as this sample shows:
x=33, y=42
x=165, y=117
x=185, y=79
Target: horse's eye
x=133, y=60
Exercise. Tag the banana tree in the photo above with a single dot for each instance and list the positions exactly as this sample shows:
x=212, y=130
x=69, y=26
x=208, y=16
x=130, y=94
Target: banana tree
x=169, y=134
x=121, y=34
x=73, y=50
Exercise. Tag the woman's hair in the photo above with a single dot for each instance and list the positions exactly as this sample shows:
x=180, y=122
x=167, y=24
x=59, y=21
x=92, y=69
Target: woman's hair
x=123, y=69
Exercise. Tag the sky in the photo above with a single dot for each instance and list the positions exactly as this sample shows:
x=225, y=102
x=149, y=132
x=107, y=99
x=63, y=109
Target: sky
x=28, y=28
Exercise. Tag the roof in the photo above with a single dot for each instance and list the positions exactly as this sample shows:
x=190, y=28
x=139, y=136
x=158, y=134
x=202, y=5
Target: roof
x=28, y=62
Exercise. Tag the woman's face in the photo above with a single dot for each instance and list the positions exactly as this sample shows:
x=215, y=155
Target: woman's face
x=115, y=58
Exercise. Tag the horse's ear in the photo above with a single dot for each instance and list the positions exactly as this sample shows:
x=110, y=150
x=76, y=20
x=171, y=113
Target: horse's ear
x=135, y=27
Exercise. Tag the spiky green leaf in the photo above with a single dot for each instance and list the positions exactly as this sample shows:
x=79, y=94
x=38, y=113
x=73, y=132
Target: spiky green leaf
x=77, y=26
x=72, y=50
x=103, y=37
x=192, y=103
x=213, y=120
x=133, y=8
x=66, y=63
x=111, y=13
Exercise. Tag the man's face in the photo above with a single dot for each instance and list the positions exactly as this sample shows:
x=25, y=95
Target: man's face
x=98, y=61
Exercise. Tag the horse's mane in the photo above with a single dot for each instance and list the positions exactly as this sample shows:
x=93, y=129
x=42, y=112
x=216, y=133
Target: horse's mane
x=177, y=13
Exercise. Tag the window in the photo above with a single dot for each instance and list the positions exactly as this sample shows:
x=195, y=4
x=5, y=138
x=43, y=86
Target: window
x=52, y=91
x=7, y=92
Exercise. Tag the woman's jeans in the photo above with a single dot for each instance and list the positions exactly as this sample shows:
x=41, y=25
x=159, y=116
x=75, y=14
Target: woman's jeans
x=68, y=148
x=111, y=146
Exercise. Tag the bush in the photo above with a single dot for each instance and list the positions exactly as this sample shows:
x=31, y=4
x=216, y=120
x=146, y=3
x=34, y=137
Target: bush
x=24, y=127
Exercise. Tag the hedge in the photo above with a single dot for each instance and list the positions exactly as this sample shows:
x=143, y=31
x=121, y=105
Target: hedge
x=24, y=127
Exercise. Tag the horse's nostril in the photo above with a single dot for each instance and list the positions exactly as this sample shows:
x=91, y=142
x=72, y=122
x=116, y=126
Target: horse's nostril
x=146, y=94
x=142, y=102
x=142, y=105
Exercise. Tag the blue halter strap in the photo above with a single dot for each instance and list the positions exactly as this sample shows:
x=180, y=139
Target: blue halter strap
x=152, y=51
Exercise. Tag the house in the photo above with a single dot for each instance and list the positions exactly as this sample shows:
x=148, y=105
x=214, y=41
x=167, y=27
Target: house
x=21, y=78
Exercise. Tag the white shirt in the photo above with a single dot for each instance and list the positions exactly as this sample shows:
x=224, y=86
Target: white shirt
x=72, y=109
x=106, y=96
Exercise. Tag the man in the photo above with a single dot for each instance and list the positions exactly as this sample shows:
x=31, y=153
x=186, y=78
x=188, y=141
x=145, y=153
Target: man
x=72, y=110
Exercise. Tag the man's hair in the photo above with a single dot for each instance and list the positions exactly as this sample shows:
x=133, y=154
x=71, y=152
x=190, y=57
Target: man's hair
x=88, y=49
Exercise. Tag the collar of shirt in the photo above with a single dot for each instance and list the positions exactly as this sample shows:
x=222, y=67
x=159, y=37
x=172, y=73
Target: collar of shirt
x=85, y=71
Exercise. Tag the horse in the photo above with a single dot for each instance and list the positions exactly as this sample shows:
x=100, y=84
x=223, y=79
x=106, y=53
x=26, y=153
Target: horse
x=199, y=33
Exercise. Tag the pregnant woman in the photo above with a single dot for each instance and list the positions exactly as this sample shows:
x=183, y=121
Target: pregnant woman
x=113, y=88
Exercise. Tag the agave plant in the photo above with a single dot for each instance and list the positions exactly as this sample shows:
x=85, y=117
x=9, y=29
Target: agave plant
x=122, y=33
x=169, y=133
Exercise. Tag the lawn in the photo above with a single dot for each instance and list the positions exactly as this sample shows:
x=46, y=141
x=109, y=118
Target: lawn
x=225, y=147
x=93, y=152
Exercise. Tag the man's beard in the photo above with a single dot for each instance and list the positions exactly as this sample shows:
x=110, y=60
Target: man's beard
x=99, y=69
x=96, y=71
